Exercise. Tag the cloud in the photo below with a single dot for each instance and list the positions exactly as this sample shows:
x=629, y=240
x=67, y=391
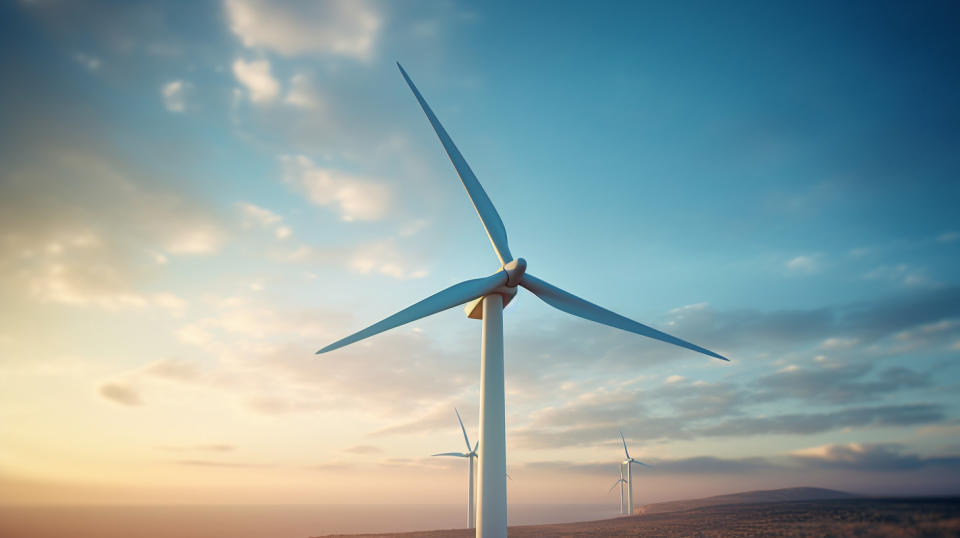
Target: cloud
x=439, y=418
x=710, y=465
x=686, y=411
x=870, y=457
x=363, y=449
x=834, y=343
x=255, y=76
x=91, y=63
x=179, y=370
x=904, y=274
x=221, y=464
x=71, y=281
x=258, y=344
x=120, y=393
x=810, y=423
x=837, y=384
x=97, y=239
x=332, y=466
x=944, y=328
x=196, y=241
x=866, y=321
x=948, y=237
x=385, y=259
x=804, y=264
x=334, y=27
x=255, y=216
x=174, y=97
x=214, y=447
x=355, y=198
x=258, y=215
x=302, y=93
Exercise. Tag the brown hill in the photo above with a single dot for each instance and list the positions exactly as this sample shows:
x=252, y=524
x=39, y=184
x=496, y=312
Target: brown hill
x=894, y=518
x=748, y=497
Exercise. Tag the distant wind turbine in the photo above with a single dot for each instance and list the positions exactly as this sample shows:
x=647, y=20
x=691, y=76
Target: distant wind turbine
x=487, y=297
x=470, y=454
x=629, y=464
x=620, y=483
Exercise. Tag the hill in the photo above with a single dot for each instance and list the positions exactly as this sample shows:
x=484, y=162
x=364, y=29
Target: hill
x=915, y=517
x=748, y=497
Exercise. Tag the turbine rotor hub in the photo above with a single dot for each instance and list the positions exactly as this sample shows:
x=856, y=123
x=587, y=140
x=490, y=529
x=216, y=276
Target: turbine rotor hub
x=515, y=270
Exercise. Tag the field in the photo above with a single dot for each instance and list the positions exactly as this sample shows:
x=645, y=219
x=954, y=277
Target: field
x=832, y=517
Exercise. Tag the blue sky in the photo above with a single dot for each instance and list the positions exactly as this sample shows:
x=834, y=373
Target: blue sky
x=198, y=196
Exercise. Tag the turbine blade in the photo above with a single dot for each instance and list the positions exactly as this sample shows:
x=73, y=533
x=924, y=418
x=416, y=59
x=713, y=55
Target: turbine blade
x=438, y=302
x=464, y=430
x=481, y=202
x=624, y=445
x=454, y=454
x=638, y=462
x=571, y=304
x=615, y=484
x=475, y=445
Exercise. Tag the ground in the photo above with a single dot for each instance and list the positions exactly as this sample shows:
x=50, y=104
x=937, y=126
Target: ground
x=836, y=517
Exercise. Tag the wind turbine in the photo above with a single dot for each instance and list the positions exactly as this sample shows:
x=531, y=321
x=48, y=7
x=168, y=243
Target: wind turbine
x=629, y=463
x=620, y=483
x=470, y=454
x=486, y=297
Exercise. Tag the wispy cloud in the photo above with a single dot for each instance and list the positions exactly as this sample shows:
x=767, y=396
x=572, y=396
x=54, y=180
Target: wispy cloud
x=90, y=62
x=174, y=95
x=303, y=93
x=805, y=264
x=221, y=464
x=94, y=240
x=180, y=370
x=256, y=216
x=948, y=237
x=337, y=27
x=902, y=273
x=870, y=457
x=214, y=447
x=363, y=449
x=256, y=77
x=120, y=393
x=385, y=259
x=353, y=197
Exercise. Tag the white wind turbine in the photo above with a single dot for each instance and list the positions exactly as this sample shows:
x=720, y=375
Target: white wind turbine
x=470, y=454
x=620, y=483
x=629, y=463
x=487, y=297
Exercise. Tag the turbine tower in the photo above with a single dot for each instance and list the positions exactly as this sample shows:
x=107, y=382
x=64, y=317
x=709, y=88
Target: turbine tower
x=470, y=454
x=620, y=483
x=629, y=463
x=487, y=297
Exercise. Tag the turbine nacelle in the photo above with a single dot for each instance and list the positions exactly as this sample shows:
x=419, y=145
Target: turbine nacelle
x=514, y=271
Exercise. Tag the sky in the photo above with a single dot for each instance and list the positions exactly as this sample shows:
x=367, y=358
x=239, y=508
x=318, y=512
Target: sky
x=197, y=196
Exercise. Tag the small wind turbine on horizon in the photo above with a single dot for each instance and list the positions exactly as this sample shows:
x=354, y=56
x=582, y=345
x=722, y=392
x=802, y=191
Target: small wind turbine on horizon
x=487, y=296
x=620, y=483
x=470, y=454
x=629, y=464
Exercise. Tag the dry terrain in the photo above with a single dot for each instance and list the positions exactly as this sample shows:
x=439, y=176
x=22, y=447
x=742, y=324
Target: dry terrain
x=824, y=517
